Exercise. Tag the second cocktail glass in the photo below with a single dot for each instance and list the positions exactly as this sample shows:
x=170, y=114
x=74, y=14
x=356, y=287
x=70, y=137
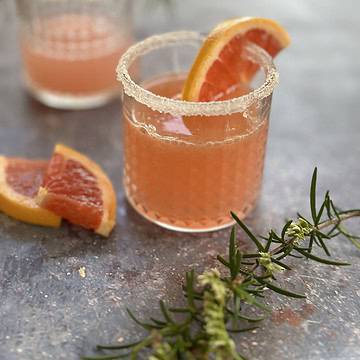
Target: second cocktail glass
x=70, y=48
x=188, y=164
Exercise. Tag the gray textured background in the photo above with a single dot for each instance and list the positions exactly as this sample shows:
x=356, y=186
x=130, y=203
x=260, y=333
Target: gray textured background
x=47, y=311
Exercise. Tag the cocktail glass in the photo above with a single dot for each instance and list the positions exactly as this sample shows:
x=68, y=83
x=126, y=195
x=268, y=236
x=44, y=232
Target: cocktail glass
x=70, y=48
x=188, y=164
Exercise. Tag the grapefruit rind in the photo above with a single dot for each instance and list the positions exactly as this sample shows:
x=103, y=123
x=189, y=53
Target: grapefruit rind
x=21, y=207
x=220, y=37
x=108, y=194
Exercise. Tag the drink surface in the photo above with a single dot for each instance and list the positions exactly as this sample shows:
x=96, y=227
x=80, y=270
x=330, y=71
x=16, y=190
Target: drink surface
x=189, y=173
x=73, y=54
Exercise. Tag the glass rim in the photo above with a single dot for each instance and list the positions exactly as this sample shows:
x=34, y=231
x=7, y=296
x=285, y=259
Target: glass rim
x=190, y=108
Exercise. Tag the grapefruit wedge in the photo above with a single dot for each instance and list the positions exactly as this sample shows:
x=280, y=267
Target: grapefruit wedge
x=220, y=65
x=20, y=180
x=78, y=190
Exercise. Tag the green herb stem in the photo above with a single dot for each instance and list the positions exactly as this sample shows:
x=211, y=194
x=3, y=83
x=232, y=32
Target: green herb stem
x=214, y=302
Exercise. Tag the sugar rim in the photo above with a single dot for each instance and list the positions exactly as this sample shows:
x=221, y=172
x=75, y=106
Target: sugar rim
x=189, y=108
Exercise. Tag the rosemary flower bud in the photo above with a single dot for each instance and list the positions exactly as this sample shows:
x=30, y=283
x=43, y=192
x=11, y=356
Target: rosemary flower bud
x=215, y=297
x=163, y=351
x=268, y=264
x=299, y=230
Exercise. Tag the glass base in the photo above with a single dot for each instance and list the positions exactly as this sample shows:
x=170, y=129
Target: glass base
x=65, y=101
x=186, y=229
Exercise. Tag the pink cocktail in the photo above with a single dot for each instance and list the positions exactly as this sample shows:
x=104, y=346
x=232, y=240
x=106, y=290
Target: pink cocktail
x=69, y=57
x=187, y=164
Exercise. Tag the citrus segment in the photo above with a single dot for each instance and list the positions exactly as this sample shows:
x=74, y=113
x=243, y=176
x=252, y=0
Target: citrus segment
x=220, y=64
x=19, y=183
x=77, y=189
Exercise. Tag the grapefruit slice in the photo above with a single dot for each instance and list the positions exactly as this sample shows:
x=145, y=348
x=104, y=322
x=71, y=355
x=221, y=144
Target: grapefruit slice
x=219, y=65
x=78, y=190
x=20, y=180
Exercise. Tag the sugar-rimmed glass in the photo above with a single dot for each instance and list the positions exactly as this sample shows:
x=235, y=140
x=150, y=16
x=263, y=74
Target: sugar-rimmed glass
x=188, y=164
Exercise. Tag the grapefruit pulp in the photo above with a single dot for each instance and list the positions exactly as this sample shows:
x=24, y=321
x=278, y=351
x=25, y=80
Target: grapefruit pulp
x=220, y=64
x=19, y=183
x=76, y=188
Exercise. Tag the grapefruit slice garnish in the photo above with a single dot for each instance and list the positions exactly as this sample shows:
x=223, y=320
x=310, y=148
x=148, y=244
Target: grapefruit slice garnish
x=20, y=180
x=78, y=190
x=220, y=65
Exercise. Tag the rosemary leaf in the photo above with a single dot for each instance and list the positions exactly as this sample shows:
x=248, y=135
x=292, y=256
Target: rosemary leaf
x=321, y=260
x=117, y=346
x=248, y=232
x=313, y=196
x=282, y=291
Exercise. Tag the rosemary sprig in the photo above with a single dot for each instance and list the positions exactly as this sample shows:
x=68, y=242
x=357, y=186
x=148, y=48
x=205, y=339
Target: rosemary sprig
x=217, y=304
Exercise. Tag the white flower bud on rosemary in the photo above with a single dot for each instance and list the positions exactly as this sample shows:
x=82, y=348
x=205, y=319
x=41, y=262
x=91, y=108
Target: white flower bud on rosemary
x=299, y=230
x=268, y=264
x=163, y=351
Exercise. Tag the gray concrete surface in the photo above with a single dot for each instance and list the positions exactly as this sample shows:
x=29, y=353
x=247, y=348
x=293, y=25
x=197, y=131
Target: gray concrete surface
x=47, y=311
